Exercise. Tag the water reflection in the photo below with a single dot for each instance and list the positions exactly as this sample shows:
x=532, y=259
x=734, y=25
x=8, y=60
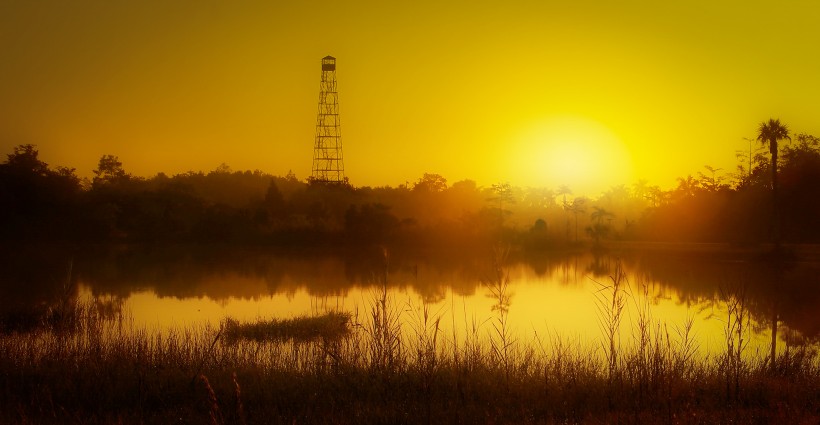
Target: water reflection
x=550, y=292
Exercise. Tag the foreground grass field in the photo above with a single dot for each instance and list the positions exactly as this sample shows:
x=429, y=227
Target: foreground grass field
x=392, y=364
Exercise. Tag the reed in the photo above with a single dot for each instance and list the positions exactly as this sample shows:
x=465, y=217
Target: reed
x=384, y=331
x=737, y=324
x=503, y=342
x=104, y=369
x=610, y=300
x=425, y=359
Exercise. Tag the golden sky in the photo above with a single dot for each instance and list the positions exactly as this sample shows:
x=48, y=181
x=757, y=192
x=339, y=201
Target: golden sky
x=587, y=93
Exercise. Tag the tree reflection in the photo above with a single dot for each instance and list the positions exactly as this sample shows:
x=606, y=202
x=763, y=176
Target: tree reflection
x=782, y=293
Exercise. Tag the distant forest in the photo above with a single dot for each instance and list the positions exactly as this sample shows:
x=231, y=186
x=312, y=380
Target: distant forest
x=41, y=203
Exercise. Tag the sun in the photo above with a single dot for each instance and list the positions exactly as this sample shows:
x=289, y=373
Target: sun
x=569, y=150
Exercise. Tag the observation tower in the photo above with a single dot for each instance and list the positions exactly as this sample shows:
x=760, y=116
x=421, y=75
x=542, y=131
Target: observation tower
x=328, y=161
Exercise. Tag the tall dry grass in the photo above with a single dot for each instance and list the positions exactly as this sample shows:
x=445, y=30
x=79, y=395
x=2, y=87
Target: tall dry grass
x=393, y=364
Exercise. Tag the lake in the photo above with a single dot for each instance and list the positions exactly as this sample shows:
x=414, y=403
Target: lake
x=548, y=294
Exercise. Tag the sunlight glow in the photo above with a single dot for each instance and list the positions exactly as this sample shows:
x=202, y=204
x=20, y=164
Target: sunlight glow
x=571, y=150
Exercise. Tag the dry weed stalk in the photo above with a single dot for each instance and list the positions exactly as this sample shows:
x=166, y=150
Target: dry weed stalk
x=503, y=342
x=213, y=405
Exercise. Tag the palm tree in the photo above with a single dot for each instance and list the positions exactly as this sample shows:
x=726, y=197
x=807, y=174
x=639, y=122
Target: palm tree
x=599, y=229
x=687, y=186
x=565, y=190
x=600, y=214
x=577, y=207
x=771, y=132
x=640, y=189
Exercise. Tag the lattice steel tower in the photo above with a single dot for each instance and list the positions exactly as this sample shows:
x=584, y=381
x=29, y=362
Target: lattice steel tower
x=328, y=164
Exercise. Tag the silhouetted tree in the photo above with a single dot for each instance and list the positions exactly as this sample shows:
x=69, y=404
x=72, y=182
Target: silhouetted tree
x=248, y=206
x=687, y=187
x=25, y=160
x=37, y=202
x=431, y=183
x=274, y=202
x=370, y=223
x=750, y=164
x=656, y=196
x=712, y=181
x=563, y=191
x=109, y=170
x=640, y=189
x=772, y=132
x=502, y=194
x=799, y=181
x=598, y=229
x=599, y=214
x=576, y=207
x=540, y=198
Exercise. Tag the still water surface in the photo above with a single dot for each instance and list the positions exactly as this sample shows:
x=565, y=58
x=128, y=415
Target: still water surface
x=550, y=294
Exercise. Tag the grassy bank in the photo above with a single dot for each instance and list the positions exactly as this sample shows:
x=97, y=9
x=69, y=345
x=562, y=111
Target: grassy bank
x=392, y=364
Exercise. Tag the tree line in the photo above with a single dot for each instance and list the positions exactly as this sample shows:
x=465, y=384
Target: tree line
x=768, y=198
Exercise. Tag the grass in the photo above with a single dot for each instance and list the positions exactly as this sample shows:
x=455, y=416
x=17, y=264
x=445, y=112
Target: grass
x=330, y=326
x=90, y=367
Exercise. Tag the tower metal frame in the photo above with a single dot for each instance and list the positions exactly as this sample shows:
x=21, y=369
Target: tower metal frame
x=328, y=161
